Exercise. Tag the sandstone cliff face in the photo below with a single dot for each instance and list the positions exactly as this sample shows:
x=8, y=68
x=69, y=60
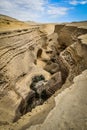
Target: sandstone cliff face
x=46, y=57
x=72, y=49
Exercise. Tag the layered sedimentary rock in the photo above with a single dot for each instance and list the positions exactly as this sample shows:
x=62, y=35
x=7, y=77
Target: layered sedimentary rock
x=74, y=54
x=35, y=63
x=17, y=57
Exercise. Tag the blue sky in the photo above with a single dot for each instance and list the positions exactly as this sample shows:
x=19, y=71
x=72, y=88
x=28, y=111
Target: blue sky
x=45, y=10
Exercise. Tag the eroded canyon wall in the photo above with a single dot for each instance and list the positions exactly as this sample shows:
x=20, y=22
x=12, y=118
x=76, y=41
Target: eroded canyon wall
x=58, y=52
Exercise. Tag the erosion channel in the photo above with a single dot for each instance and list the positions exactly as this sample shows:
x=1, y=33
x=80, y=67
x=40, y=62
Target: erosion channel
x=36, y=64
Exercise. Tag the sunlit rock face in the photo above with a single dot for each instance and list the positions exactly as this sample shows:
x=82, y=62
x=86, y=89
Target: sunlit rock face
x=36, y=64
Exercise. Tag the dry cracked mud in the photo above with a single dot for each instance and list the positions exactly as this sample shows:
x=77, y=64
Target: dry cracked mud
x=43, y=76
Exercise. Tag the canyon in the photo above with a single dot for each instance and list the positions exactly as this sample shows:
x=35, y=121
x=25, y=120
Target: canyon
x=43, y=76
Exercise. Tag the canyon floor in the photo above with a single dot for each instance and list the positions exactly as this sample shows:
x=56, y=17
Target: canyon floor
x=43, y=75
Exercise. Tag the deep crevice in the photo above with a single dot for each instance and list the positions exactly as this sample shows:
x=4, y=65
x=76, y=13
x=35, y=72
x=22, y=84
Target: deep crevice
x=41, y=90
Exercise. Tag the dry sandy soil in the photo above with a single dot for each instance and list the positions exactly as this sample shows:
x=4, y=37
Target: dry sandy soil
x=43, y=75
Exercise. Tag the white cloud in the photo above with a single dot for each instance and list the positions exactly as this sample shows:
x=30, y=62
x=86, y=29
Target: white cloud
x=37, y=5
x=76, y=2
x=73, y=2
x=4, y=4
x=23, y=10
x=31, y=9
x=57, y=11
x=83, y=2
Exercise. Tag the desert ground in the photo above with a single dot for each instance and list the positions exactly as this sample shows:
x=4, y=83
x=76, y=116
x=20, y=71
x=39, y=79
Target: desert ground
x=43, y=75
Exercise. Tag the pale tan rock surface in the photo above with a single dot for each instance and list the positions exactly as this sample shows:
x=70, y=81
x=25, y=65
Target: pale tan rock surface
x=83, y=39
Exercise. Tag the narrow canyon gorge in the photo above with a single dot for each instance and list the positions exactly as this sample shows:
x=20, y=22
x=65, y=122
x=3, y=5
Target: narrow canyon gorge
x=43, y=71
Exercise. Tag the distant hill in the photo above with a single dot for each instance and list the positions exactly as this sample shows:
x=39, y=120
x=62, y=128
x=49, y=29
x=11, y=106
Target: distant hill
x=78, y=23
x=8, y=18
x=9, y=23
x=32, y=22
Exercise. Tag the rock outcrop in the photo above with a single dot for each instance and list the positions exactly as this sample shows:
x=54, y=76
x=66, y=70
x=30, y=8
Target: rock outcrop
x=16, y=61
x=36, y=64
x=70, y=109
